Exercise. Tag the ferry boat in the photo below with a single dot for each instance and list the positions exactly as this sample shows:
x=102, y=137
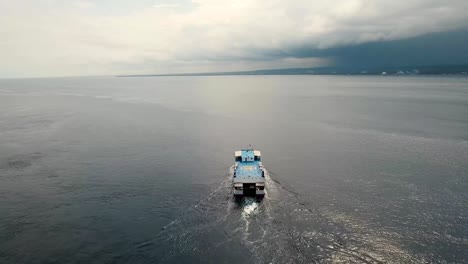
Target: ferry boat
x=249, y=174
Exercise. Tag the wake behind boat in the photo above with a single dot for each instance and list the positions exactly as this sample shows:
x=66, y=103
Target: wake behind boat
x=249, y=174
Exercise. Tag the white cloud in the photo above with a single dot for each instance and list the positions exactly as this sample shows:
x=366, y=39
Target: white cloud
x=53, y=37
x=84, y=4
x=166, y=5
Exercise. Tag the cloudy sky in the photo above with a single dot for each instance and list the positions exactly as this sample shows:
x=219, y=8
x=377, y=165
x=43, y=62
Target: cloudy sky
x=101, y=37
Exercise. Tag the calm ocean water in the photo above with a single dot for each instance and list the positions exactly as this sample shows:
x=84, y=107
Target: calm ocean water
x=137, y=170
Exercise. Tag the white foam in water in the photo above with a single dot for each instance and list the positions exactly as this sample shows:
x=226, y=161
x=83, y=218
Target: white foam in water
x=250, y=207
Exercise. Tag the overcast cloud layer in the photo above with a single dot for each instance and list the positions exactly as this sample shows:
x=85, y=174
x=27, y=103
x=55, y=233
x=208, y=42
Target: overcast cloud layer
x=63, y=38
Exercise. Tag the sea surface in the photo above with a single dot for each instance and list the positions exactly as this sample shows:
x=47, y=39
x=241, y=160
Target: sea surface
x=138, y=169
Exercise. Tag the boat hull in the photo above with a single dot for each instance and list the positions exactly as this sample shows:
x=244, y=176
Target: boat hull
x=258, y=193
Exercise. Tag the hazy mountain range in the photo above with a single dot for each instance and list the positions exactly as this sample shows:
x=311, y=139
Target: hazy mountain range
x=402, y=70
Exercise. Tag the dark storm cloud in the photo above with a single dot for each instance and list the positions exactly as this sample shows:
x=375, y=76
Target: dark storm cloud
x=430, y=49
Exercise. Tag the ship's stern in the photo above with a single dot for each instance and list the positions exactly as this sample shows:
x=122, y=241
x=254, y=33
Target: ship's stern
x=260, y=189
x=249, y=189
x=238, y=189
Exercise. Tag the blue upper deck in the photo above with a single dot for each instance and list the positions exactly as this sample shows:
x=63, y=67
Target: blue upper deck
x=248, y=166
x=247, y=154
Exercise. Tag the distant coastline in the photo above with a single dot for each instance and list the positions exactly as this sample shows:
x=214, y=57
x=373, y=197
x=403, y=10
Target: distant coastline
x=389, y=70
